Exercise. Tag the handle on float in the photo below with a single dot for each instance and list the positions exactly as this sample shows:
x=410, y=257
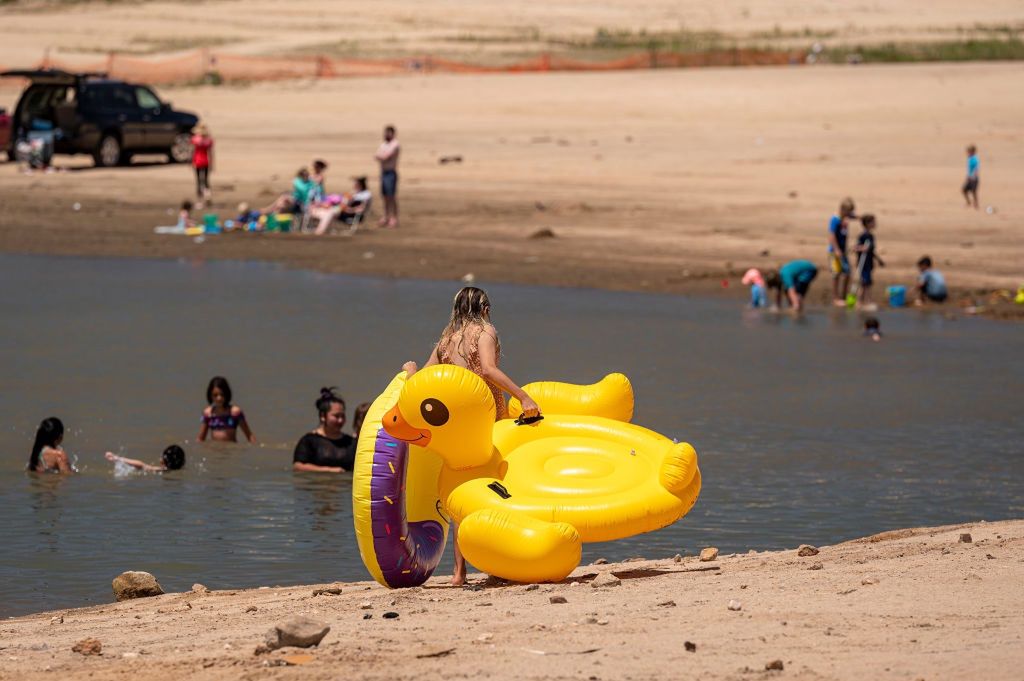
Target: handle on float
x=523, y=420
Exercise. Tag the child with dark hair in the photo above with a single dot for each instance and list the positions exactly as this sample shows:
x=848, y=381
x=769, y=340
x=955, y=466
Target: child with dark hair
x=222, y=419
x=358, y=418
x=326, y=449
x=185, y=216
x=47, y=455
x=172, y=459
x=931, y=285
x=866, y=257
x=873, y=329
x=794, y=279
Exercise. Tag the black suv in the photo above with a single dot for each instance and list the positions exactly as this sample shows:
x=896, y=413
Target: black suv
x=91, y=114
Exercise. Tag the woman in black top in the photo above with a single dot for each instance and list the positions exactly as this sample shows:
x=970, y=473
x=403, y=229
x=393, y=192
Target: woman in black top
x=326, y=449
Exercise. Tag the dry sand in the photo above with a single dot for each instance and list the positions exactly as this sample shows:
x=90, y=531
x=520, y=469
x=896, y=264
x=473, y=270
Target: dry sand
x=662, y=180
x=910, y=604
x=481, y=30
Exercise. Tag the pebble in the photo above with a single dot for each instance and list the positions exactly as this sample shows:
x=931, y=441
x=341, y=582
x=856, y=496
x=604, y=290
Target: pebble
x=531, y=587
x=574, y=583
x=868, y=581
x=774, y=665
x=251, y=608
x=129, y=656
x=485, y=637
x=806, y=550
x=709, y=554
x=602, y=622
x=57, y=619
x=600, y=561
x=690, y=646
x=816, y=566
x=129, y=585
x=300, y=632
x=677, y=558
x=558, y=599
x=390, y=615
x=735, y=605
x=605, y=579
x=367, y=616
x=88, y=646
x=329, y=591
x=990, y=556
x=200, y=589
x=965, y=538
x=667, y=604
x=366, y=605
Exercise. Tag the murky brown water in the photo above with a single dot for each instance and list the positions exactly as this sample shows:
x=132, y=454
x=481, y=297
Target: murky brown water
x=806, y=431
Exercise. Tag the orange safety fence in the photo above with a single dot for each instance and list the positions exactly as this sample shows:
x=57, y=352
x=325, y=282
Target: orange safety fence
x=206, y=65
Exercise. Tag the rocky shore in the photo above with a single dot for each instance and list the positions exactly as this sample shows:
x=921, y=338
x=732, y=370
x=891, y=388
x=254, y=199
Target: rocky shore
x=927, y=603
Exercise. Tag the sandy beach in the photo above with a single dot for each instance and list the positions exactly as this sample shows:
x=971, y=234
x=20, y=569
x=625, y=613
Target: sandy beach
x=666, y=180
x=906, y=604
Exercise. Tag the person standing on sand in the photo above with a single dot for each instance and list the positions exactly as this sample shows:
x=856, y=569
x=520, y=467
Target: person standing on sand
x=837, y=261
x=970, y=188
x=202, y=163
x=387, y=155
x=471, y=342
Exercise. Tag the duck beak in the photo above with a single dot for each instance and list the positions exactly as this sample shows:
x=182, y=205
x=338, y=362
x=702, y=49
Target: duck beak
x=397, y=427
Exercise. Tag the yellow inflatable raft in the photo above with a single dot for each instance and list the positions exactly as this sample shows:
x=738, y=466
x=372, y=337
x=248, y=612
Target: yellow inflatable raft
x=527, y=496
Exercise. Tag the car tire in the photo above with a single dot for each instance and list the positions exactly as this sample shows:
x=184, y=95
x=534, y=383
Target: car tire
x=181, y=150
x=109, y=153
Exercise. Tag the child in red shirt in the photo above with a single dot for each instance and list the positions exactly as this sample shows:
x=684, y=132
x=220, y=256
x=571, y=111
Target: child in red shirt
x=202, y=162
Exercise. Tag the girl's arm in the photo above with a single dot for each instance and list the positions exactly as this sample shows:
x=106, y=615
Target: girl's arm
x=204, y=429
x=489, y=368
x=313, y=468
x=410, y=367
x=134, y=463
x=244, y=425
x=62, y=462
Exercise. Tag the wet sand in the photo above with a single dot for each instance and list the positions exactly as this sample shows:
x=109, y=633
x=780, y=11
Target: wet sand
x=663, y=180
x=907, y=604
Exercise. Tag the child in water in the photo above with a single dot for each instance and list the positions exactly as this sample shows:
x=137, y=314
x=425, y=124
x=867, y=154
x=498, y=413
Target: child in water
x=221, y=420
x=758, y=289
x=172, y=459
x=872, y=329
x=47, y=455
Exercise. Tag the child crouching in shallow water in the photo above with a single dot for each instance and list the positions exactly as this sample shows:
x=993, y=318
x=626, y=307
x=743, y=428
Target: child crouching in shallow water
x=172, y=459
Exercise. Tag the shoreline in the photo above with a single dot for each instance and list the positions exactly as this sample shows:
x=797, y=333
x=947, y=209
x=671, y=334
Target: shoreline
x=903, y=604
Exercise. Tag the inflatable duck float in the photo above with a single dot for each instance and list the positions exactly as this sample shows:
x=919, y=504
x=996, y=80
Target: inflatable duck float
x=525, y=496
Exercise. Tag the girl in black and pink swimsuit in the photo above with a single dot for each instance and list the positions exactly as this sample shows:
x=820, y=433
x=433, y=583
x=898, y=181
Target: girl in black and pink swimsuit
x=221, y=420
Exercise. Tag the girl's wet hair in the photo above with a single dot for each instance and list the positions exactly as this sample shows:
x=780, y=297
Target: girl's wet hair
x=772, y=279
x=173, y=458
x=220, y=383
x=471, y=304
x=48, y=434
x=326, y=399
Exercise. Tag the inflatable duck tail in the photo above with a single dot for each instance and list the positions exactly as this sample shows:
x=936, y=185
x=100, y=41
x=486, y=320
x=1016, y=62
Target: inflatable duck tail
x=679, y=473
x=518, y=547
x=611, y=397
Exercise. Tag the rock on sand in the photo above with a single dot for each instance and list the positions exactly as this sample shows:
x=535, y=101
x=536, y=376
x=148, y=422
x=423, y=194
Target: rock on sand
x=300, y=632
x=129, y=585
x=708, y=554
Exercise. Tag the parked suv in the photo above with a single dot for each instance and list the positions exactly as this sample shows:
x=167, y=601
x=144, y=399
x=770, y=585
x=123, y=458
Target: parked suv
x=91, y=114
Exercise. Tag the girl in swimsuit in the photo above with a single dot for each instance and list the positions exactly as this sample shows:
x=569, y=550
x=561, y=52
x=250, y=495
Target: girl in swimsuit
x=471, y=341
x=47, y=454
x=221, y=420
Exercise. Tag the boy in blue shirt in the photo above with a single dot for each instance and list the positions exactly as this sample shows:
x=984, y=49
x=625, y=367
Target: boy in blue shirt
x=840, y=266
x=970, y=188
x=866, y=258
x=793, y=278
x=931, y=285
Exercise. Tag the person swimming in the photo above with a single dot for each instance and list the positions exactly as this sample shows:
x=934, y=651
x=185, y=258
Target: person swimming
x=47, y=455
x=326, y=449
x=172, y=459
x=222, y=419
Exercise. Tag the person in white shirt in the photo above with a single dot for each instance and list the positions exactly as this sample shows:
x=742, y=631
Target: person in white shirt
x=387, y=155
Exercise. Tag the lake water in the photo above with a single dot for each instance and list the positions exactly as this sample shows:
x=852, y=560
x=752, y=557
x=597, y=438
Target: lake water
x=806, y=431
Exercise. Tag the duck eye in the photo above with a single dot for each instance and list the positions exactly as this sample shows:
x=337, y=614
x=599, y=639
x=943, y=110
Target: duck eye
x=434, y=412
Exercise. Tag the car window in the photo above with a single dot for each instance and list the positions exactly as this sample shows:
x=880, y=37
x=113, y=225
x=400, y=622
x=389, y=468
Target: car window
x=110, y=96
x=146, y=98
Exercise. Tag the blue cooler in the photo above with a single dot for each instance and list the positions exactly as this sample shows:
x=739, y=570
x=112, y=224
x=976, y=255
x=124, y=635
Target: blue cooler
x=897, y=296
